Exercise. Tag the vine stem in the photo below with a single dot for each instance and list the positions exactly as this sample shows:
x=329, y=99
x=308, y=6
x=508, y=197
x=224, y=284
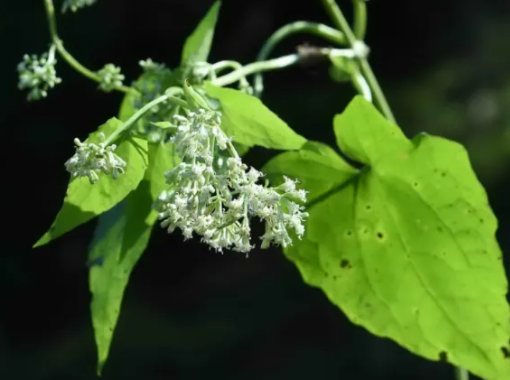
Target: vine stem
x=341, y=23
x=360, y=19
x=255, y=67
x=169, y=96
x=285, y=31
x=52, y=23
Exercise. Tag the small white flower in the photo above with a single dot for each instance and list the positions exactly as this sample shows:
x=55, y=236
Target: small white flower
x=91, y=159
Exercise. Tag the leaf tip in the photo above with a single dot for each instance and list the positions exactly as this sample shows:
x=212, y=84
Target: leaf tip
x=42, y=241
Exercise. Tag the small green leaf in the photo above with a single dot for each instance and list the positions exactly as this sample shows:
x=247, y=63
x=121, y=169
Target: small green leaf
x=163, y=124
x=120, y=239
x=194, y=99
x=198, y=45
x=406, y=247
x=342, y=69
x=250, y=122
x=85, y=201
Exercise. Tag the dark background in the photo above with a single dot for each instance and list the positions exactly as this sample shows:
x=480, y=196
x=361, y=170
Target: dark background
x=189, y=313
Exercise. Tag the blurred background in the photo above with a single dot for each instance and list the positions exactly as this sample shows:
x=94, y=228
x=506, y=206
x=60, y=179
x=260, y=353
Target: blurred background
x=189, y=313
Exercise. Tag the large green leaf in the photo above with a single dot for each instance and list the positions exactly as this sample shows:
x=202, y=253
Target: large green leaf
x=250, y=122
x=85, y=201
x=120, y=239
x=198, y=45
x=406, y=247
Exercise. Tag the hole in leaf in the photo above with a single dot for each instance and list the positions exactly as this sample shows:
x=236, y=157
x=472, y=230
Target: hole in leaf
x=345, y=264
x=380, y=235
x=443, y=356
x=506, y=352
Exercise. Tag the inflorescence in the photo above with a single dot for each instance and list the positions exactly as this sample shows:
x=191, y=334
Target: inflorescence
x=38, y=74
x=215, y=197
x=111, y=77
x=91, y=159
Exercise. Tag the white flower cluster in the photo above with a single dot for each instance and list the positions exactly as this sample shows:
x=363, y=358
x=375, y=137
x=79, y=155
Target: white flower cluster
x=38, y=74
x=91, y=159
x=215, y=197
x=111, y=77
x=75, y=5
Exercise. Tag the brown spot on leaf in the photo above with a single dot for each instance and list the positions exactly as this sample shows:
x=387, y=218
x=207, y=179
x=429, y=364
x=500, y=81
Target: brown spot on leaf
x=345, y=264
x=506, y=352
x=380, y=235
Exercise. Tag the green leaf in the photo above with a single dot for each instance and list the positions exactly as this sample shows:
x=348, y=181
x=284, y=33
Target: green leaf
x=194, y=99
x=85, y=201
x=250, y=122
x=342, y=69
x=163, y=124
x=198, y=45
x=120, y=239
x=406, y=247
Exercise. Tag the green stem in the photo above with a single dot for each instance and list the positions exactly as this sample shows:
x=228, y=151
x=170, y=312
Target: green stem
x=52, y=22
x=222, y=65
x=360, y=19
x=461, y=374
x=146, y=108
x=341, y=23
x=256, y=67
x=288, y=30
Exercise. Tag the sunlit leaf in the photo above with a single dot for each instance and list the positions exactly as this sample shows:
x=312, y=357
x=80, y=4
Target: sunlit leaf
x=198, y=44
x=250, y=122
x=406, y=247
x=120, y=239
